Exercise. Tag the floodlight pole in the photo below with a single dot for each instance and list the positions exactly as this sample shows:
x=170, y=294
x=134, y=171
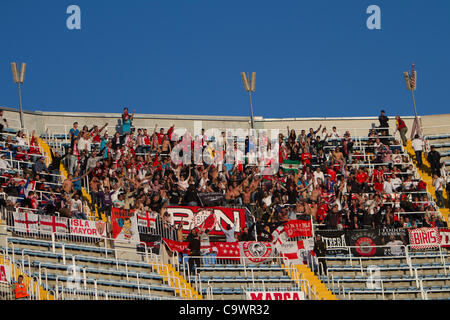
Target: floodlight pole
x=251, y=109
x=20, y=106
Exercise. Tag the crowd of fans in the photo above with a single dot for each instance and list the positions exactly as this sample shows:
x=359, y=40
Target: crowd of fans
x=334, y=181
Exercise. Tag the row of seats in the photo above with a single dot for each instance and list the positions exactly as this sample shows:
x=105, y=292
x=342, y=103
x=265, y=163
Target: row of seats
x=437, y=136
x=87, y=294
x=109, y=275
x=402, y=266
x=58, y=245
x=404, y=277
x=237, y=278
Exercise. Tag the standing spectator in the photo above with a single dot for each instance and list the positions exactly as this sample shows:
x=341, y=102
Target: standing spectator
x=39, y=167
x=194, y=250
x=434, y=158
x=384, y=123
x=438, y=184
x=55, y=165
x=320, y=249
x=126, y=121
x=333, y=217
x=74, y=132
x=229, y=233
x=76, y=207
x=106, y=200
x=417, y=145
x=2, y=120
x=20, y=290
x=402, y=129
x=447, y=188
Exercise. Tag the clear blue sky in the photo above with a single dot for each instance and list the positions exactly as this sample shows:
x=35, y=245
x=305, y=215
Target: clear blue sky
x=312, y=58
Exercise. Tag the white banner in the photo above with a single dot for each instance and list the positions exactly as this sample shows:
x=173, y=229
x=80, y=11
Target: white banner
x=275, y=295
x=26, y=222
x=86, y=228
x=5, y=274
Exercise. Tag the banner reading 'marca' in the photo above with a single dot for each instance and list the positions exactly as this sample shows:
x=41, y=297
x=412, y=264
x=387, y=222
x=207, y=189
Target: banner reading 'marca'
x=275, y=295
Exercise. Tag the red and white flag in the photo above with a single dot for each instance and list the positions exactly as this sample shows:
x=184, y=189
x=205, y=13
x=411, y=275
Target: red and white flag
x=298, y=228
x=424, y=238
x=146, y=219
x=52, y=224
x=227, y=250
x=445, y=237
x=26, y=222
x=5, y=274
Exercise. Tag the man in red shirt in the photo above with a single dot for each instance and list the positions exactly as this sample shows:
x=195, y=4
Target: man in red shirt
x=362, y=177
x=331, y=173
x=401, y=127
x=306, y=158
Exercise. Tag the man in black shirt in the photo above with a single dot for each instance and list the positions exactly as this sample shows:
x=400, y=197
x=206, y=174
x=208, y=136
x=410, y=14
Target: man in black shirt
x=191, y=197
x=320, y=249
x=194, y=251
x=434, y=158
x=384, y=123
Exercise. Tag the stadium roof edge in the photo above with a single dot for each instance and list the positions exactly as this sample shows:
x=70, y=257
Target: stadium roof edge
x=186, y=117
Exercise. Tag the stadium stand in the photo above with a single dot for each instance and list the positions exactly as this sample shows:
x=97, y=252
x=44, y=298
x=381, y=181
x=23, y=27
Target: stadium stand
x=85, y=215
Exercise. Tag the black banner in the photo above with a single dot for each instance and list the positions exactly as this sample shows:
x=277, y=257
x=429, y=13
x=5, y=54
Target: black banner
x=395, y=239
x=152, y=242
x=211, y=199
x=365, y=242
x=335, y=241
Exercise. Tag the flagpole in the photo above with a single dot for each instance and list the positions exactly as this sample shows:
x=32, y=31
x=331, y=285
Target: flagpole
x=415, y=112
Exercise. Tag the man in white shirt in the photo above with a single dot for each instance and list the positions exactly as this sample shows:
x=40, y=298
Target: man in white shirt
x=388, y=186
x=417, y=145
x=396, y=183
x=76, y=208
x=438, y=184
x=84, y=143
x=4, y=164
x=318, y=174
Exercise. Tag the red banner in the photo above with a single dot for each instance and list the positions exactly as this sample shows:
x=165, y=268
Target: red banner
x=124, y=225
x=224, y=250
x=424, y=238
x=210, y=218
x=178, y=246
x=298, y=228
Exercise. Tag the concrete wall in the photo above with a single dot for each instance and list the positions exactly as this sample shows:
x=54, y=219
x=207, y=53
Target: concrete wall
x=60, y=122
